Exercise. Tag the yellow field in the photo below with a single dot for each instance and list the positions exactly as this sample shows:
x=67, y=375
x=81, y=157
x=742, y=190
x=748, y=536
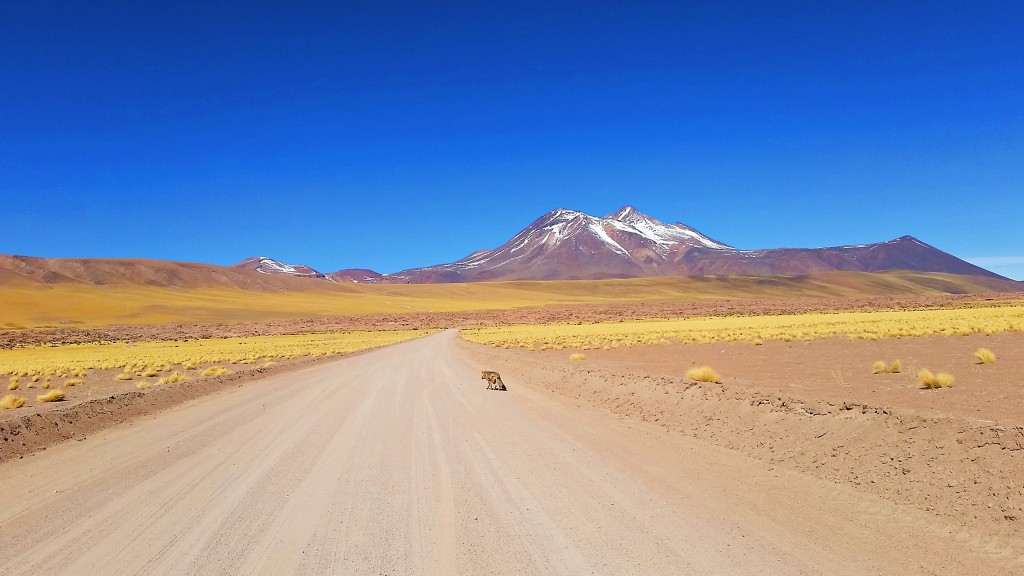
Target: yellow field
x=858, y=325
x=36, y=305
x=150, y=358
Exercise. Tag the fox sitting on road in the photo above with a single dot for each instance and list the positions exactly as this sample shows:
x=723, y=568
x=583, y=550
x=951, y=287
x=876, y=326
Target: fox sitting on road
x=493, y=380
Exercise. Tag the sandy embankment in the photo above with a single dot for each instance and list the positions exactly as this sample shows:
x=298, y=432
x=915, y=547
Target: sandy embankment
x=969, y=471
x=48, y=424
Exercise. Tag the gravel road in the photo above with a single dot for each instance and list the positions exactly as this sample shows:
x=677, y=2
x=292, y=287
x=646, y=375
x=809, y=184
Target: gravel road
x=398, y=461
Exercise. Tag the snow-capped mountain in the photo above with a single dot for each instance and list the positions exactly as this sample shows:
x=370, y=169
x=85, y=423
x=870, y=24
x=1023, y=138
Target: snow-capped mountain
x=567, y=245
x=570, y=244
x=271, y=266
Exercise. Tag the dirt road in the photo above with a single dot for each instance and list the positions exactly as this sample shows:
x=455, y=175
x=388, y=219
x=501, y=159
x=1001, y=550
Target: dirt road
x=398, y=461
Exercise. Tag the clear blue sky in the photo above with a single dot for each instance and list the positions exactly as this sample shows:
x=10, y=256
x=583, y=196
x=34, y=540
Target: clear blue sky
x=396, y=134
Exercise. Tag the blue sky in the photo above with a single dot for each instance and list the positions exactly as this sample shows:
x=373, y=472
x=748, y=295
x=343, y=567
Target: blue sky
x=389, y=135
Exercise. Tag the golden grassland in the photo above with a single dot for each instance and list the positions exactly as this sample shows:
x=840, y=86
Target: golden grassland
x=29, y=305
x=855, y=325
x=150, y=359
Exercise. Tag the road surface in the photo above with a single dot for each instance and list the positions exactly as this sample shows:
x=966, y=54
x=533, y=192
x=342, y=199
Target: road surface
x=398, y=461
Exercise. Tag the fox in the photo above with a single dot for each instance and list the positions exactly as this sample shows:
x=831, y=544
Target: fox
x=493, y=380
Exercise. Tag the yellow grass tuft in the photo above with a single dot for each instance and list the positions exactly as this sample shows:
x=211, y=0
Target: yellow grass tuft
x=189, y=365
x=45, y=385
x=703, y=374
x=270, y=362
x=577, y=357
x=881, y=367
x=150, y=372
x=126, y=375
x=10, y=402
x=985, y=356
x=175, y=378
x=13, y=385
x=931, y=381
x=142, y=385
x=72, y=383
x=51, y=396
x=215, y=371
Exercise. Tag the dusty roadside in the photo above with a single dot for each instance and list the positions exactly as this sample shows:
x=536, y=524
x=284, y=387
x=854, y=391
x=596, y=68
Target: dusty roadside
x=968, y=471
x=24, y=434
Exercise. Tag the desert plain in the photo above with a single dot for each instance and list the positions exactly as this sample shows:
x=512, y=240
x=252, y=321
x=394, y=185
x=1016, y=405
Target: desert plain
x=348, y=430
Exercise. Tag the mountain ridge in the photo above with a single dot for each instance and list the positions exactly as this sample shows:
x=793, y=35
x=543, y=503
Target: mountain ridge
x=568, y=244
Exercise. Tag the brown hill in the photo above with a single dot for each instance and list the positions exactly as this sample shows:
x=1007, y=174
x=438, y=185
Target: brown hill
x=40, y=292
x=22, y=270
x=270, y=266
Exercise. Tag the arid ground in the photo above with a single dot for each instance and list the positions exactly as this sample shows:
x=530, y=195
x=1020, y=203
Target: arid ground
x=397, y=460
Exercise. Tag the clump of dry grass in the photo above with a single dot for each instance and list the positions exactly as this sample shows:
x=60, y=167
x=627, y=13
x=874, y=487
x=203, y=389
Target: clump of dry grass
x=45, y=385
x=189, y=365
x=73, y=382
x=881, y=367
x=13, y=385
x=577, y=357
x=126, y=375
x=172, y=379
x=10, y=402
x=142, y=385
x=215, y=371
x=703, y=374
x=985, y=356
x=51, y=396
x=150, y=372
x=270, y=362
x=931, y=381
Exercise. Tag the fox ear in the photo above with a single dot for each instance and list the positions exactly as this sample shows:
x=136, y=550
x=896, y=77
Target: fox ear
x=482, y=372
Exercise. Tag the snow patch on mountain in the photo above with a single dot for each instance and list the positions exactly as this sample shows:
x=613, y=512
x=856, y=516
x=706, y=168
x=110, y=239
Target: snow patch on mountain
x=266, y=265
x=660, y=233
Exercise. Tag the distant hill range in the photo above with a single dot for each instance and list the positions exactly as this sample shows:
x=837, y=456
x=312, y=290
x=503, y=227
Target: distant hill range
x=570, y=245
